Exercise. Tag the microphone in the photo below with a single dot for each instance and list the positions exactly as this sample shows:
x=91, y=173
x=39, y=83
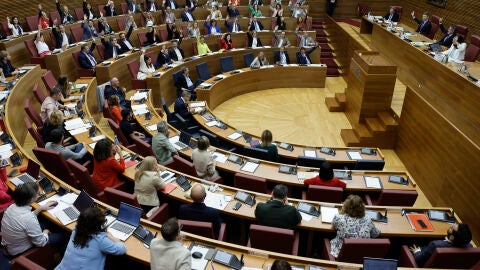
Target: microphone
x=386, y=212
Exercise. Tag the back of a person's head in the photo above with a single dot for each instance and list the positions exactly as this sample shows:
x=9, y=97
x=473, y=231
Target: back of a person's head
x=203, y=143
x=113, y=100
x=89, y=223
x=462, y=236
x=198, y=193
x=55, y=90
x=56, y=135
x=281, y=265
x=170, y=229
x=126, y=113
x=326, y=171
x=280, y=192
x=24, y=193
x=102, y=150
x=147, y=164
x=354, y=207
x=161, y=126
x=56, y=118
x=266, y=137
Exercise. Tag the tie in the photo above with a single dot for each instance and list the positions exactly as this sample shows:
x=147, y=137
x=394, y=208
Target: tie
x=92, y=59
x=306, y=60
x=257, y=28
x=421, y=27
x=234, y=27
x=19, y=30
x=304, y=42
x=390, y=18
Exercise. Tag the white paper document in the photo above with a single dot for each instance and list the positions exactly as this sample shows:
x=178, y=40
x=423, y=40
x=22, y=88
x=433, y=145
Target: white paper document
x=372, y=182
x=152, y=127
x=201, y=263
x=78, y=131
x=310, y=153
x=234, y=136
x=197, y=104
x=306, y=216
x=219, y=157
x=217, y=201
x=139, y=96
x=98, y=138
x=74, y=123
x=139, y=106
x=250, y=167
x=355, y=155
x=211, y=123
x=328, y=213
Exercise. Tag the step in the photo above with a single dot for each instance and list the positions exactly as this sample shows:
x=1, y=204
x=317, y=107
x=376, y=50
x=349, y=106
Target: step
x=362, y=132
x=341, y=97
x=317, y=20
x=388, y=120
x=330, y=62
x=322, y=39
x=333, y=105
x=320, y=33
x=374, y=125
x=325, y=55
x=349, y=137
x=333, y=72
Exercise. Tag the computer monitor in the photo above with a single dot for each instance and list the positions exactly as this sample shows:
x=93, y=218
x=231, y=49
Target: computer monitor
x=314, y=162
x=255, y=152
x=379, y=264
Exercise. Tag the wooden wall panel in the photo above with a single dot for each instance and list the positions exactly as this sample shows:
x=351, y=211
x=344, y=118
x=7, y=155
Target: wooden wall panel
x=443, y=162
x=348, y=9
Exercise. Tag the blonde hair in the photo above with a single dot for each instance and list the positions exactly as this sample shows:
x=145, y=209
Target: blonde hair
x=147, y=164
x=56, y=118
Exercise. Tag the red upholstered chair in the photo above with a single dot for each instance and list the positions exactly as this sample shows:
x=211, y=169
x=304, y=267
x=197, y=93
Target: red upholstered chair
x=433, y=31
x=133, y=68
x=54, y=162
x=122, y=21
x=115, y=196
x=77, y=33
x=250, y=182
x=101, y=51
x=101, y=10
x=32, y=113
x=38, y=93
x=53, y=38
x=354, y=249
x=49, y=80
x=473, y=51
x=86, y=182
x=79, y=13
x=38, y=258
x=32, y=49
x=393, y=197
x=81, y=72
x=308, y=23
x=273, y=239
x=184, y=30
x=163, y=33
x=435, y=19
x=121, y=137
x=362, y=9
x=475, y=40
x=33, y=132
x=143, y=148
x=462, y=30
x=204, y=229
x=142, y=37
x=194, y=48
x=32, y=22
x=182, y=165
x=124, y=7
x=54, y=15
x=399, y=11
x=458, y=258
x=273, y=22
x=5, y=28
x=323, y=194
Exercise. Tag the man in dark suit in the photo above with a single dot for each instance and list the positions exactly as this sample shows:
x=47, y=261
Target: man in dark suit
x=187, y=15
x=65, y=16
x=392, y=15
x=331, y=4
x=276, y=212
x=233, y=25
x=124, y=40
x=185, y=82
x=458, y=235
x=281, y=57
x=253, y=40
x=86, y=58
x=110, y=9
x=175, y=52
x=62, y=38
x=151, y=6
x=449, y=34
x=254, y=24
x=112, y=48
x=170, y=3
x=232, y=11
x=163, y=58
x=89, y=30
x=256, y=2
x=303, y=57
x=115, y=89
x=191, y=4
x=181, y=107
x=133, y=7
x=198, y=211
x=424, y=25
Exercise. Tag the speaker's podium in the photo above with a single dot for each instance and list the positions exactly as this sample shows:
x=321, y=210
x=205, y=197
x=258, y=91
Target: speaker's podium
x=368, y=96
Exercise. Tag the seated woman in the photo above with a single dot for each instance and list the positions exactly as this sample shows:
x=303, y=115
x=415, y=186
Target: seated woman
x=277, y=11
x=325, y=177
x=300, y=23
x=212, y=26
x=146, y=66
x=227, y=42
x=55, y=122
x=203, y=160
x=147, y=182
x=351, y=222
x=115, y=110
x=254, y=10
x=42, y=47
x=173, y=32
x=202, y=47
x=151, y=36
x=456, y=52
x=281, y=24
x=267, y=143
x=105, y=167
x=6, y=67
x=149, y=20
x=259, y=61
x=215, y=14
x=43, y=20
x=89, y=243
x=66, y=87
x=193, y=30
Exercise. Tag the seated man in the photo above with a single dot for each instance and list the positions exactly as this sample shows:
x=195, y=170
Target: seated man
x=303, y=57
x=305, y=39
x=458, y=235
x=232, y=25
x=115, y=89
x=63, y=38
x=254, y=24
x=20, y=227
x=392, y=15
x=181, y=106
x=185, y=82
x=112, y=48
x=253, y=40
x=51, y=103
x=424, y=25
x=449, y=34
x=168, y=252
x=281, y=40
x=89, y=30
x=187, y=15
x=281, y=57
x=86, y=58
x=175, y=52
x=124, y=40
x=198, y=211
x=276, y=212
x=75, y=151
x=161, y=146
x=127, y=128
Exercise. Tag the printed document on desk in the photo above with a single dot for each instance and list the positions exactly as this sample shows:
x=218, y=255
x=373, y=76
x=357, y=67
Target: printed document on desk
x=217, y=201
x=234, y=136
x=249, y=167
x=372, y=182
x=219, y=157
x=328, y=213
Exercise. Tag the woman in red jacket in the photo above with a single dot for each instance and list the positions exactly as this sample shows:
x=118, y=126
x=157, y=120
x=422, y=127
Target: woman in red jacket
x=105, y=167
x=325, y=177
x=227, y=42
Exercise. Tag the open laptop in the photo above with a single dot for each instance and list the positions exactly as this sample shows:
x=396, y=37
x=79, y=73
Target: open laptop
x=30, y=175
x=71, y=213
x=127, y=221
x=435, y=47
x=183, y=141
x=379, y=264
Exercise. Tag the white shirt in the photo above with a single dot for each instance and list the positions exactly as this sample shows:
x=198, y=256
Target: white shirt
x=16, y=31
x=144, y=70
x=189, y=16
x=179, y=55
x=456, y=54
x=41, y=47
x=235, y=28
x=170, y=17
x=213, y=30
x=254, y=42
x=257, y=27
x=283, y=59
x=90, y=15
x=127, y=43
x=189, y=81
x=21, y=230
x=64, y=39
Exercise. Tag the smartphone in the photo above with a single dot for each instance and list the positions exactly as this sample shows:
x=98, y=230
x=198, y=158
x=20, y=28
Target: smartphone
x=237, y=206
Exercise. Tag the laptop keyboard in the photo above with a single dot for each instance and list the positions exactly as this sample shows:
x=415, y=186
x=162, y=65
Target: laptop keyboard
x=181, y=145
x=122, y=228
x=71, y=213
x=25, y=178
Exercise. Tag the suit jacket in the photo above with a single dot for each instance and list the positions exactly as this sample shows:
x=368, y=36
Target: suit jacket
x=229, y=25
x=286, y=41
x=447, y=39
x=64, y=17
x=83, y=59
x=59, y=38
x=88, y=32
x=276, y=57
x=201, y=212
x=110, y=91
x=425, y=29
x=131, y=6
x=250, y=40
x=86, y=11
x=303, y=59
x=395, y=17
x=168, y=3
x=180, y=107
x=256, y=2
x=251, y=27
x=149, y=6
x=127, y=38
x=182, y=82
x=109, y=48
x=109, y=12
x=103, y=27
x=425, y=252
x=162, y=59
x=232, y=13
x=185, y=17
x=162, y=148
x=276, y=214
x=192, y=4
x=173, y=55
x=169, y=255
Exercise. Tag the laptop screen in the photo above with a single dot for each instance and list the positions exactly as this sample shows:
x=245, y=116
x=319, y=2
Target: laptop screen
x=379, y=264
x=184, y=138
x=83, y=201
x=33, y=169
x=129, y=214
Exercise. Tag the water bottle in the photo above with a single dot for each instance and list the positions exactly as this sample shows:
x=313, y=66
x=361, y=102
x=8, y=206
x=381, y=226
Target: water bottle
x=115, y=141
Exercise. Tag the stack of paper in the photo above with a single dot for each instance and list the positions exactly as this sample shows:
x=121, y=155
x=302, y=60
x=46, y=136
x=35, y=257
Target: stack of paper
x=217, y=201
x=139, y=96
x=219, y=157
x=234, y=136
x=139, y=109
x=74, y=124
x=152, y=127
x=5, y=150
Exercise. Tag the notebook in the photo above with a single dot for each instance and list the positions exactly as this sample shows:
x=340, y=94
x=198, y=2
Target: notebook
x=127, y=221
x=379, y=264
x=71, y=213
x=419, y=222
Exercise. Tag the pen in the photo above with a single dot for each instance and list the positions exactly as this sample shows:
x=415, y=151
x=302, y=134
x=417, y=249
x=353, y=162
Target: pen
x=211, y=264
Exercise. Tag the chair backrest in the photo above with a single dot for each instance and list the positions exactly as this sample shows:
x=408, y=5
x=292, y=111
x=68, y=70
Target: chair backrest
x=167, y=110
x=194, y=48
x=49, y=80
x=143, y=148
x=53, y=38
x=54, y=15
x=32, y=113
x=38, y=93
x=32, y=22
x=433, y=30
x=226, y=64
x=362, y=9
x=353, y=250
x=399, y=11
x=176, y=80
x=214, y=141
x=116, y=129
x=255, y=152
x=77, y=33
x=115, y=197
x=273, y=22
x=458, y=258
x=435, y=19
x=475, y=40
x=124, y=7
x=133, y=67
x=75, y=57
x=54, y=162
x=471, y=53
x=5, y=28
x=32, y=49
x=182, y=165
x=79, y=13
x=142, y=37
x=101, y=10
x=396, y=197
x=248, y=59
x=325, y=193
x=37, y=137
x=84, y=178
x=106, y=110
x=101, y=51
x=365, y=164
x=314, y=162
x=272, y=239
x=163, y=34
x=308, y=23
x=462, y=30
x=122, y=21
x=203, y=71
x=250, y=182
x=201, y=228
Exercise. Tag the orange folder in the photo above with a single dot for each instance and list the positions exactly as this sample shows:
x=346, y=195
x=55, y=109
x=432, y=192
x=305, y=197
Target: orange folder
x=416, y=221
x=169, y=187
x=130, y=163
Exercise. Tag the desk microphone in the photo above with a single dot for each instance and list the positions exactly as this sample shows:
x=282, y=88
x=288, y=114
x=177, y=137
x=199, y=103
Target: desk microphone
x=386, y=212
x=241, y=260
